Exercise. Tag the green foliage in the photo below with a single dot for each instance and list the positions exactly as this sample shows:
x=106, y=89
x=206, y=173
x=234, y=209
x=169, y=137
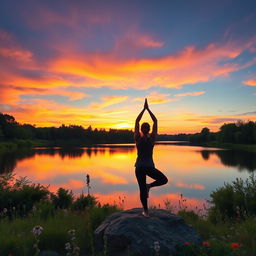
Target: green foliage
x=72, y=135
x=233, y=201
x=237, y=133
x=63, y=198
x=18, y=196
x=16, y=236
x=44, y=209
x=82, y=202
x=215, y=249
x=191, y=215
x=204, y=136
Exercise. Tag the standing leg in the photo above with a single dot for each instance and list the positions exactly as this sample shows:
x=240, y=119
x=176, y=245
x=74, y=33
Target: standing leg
x=159, y=177
x=141, y=178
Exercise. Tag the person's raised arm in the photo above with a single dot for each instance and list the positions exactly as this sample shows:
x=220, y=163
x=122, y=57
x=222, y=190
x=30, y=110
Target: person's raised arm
x=154, y=130
x=137, y=124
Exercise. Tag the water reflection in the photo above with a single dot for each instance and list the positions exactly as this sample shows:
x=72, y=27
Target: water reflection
x=243, y=160
x=192, y=171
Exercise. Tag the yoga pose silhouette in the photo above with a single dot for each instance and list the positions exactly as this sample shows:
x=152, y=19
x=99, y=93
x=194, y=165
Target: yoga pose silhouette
x=144, y=164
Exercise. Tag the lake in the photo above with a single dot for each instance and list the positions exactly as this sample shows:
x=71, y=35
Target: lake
x=192, y=171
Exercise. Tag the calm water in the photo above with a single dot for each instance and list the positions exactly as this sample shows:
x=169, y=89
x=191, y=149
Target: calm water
x=192, y=171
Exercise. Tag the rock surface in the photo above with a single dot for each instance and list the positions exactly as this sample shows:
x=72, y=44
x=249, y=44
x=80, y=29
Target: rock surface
x=130, y=233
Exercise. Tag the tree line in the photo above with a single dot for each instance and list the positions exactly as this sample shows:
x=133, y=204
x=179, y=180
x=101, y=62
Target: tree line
x=10, y=129
x=69, y=135
x=236, y=133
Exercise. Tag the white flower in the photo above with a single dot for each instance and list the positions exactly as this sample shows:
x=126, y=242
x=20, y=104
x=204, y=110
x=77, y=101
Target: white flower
x=72, y=232
x=67, y=246
x=156, y=246
x=5, y=210
x=37, y=230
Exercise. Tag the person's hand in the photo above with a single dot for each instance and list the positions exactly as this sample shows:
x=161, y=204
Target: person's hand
x=146, y=104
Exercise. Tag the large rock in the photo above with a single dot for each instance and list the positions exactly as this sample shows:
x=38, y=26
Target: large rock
x=129, y=233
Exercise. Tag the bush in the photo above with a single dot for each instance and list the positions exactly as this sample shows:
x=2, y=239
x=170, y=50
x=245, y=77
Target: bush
x=63, y=199
x=236, y=200
x=83, y=202
x=18, y=197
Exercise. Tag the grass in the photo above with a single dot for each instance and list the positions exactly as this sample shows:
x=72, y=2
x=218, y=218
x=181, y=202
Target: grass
x=225, y=233
x=17, y=238
x=7, y=147
x=229, y=233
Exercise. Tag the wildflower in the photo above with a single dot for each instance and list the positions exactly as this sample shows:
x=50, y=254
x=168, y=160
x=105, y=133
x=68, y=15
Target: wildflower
x=206, y=244
x=13, y=208
x=156, y=246
x=187, y=243
x=67, y=246
x=72, y=232
x=235, y=245
x=5, y=210
x=37, y=230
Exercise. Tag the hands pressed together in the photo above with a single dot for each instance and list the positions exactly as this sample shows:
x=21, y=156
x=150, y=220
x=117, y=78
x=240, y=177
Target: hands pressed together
x=146, y=107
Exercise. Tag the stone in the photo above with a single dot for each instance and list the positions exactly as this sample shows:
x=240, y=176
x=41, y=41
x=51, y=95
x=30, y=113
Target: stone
x=129, y=233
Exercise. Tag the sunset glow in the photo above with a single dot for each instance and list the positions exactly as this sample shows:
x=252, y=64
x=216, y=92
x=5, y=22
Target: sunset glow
x=112, y=177
x=93, y=63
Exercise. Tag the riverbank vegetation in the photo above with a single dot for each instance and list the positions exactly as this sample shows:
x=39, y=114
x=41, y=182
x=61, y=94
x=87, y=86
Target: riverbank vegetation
x=240, y=135
x=32, y=218
x=14, y=134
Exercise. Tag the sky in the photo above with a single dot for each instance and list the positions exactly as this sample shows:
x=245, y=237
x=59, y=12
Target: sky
x=94, y=62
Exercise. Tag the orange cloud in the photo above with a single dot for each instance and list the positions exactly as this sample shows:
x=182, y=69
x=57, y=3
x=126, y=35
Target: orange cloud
x=108, y=101
x=193, y=186
x=190, y=94
x=12, y=95
x=189, y=66
x=251, y=82
x=154, y=98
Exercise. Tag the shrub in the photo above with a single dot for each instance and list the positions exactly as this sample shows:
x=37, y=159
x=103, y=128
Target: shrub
x=83, y=202
x=63, y=198
x=236, y=200
x=18, y=197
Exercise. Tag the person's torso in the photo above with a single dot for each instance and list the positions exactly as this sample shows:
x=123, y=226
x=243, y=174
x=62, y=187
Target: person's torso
x=145, y=147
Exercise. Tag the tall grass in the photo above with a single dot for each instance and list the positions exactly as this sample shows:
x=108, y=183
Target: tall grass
x=17, y=238
x=228, y=228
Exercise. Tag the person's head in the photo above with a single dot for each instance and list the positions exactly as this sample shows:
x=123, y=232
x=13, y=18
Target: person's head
x=145, y=128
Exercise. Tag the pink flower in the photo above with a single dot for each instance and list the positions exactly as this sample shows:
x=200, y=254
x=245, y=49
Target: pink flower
x=206, y=244
x=187, y=243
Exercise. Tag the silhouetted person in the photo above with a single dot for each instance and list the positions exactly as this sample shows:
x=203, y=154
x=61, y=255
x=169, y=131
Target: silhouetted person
x=144, y=164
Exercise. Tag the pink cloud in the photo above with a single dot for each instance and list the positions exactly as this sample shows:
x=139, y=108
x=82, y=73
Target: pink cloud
x=190, y=94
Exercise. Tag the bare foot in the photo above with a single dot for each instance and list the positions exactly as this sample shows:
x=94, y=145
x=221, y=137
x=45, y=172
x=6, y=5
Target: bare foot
x=145, y=214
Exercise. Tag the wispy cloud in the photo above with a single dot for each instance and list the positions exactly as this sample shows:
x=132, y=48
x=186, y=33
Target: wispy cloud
x=191, y=186
x=190, y=94
x=251, y=82
x=108, y=101
x=155, y=98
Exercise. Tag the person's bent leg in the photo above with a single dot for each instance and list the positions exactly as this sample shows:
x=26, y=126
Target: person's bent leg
x=141, y=178
x=159, y=177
